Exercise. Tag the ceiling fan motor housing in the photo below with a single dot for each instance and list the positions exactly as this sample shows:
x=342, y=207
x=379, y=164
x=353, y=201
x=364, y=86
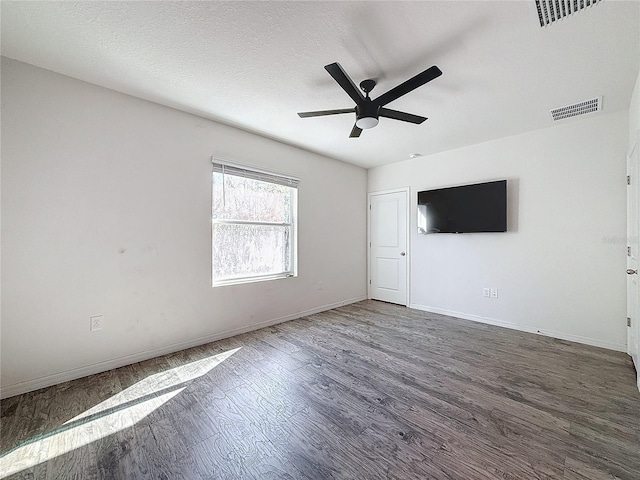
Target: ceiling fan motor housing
x=367, y=114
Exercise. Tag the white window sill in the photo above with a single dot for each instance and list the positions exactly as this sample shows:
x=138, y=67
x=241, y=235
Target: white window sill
x=239, y=281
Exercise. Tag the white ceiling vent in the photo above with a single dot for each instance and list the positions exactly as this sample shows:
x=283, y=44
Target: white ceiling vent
x=588, y=106
x=550, y=11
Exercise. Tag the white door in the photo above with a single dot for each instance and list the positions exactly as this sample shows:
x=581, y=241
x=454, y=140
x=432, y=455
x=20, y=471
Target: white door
x=388, y=253
x=633, y=282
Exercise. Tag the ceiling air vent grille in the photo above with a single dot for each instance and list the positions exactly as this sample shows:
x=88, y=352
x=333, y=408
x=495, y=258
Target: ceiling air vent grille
x=588, y=106
x=550, y=11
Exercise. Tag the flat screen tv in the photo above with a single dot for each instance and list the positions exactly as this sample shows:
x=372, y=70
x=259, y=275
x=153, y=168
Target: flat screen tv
x=481, y=207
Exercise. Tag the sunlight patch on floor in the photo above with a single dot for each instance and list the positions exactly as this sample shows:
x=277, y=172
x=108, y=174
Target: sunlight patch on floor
x=158, y=382
x=117, y=413
x=33, y=453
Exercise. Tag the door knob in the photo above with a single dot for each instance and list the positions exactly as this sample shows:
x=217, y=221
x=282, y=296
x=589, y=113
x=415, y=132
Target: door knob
x=402, y=254
x=631, y=271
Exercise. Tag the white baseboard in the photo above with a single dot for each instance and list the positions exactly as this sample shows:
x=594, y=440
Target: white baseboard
x=73, y=374
x=524, y=328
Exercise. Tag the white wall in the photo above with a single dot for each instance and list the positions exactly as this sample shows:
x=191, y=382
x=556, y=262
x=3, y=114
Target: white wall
x=560, y=268
x=106, y=210
x=634, y=115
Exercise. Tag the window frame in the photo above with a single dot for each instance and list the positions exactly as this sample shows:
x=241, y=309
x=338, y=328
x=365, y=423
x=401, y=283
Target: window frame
x=236, y=169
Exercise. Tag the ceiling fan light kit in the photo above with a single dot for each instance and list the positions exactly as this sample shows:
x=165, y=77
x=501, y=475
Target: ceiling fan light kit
x=367, y=110
x=366, y=122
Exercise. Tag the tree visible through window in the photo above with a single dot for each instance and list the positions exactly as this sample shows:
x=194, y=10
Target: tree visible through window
x=253, y=225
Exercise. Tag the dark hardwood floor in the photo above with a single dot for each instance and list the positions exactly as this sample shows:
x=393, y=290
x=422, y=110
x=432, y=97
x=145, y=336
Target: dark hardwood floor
x=366, y=391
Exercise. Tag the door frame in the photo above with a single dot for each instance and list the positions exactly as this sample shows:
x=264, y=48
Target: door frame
x=407, y=190
x=635, y=326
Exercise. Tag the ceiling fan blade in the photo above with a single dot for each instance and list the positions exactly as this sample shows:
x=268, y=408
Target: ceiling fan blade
x=340, y=76
x=320, y=113
x=355, y=132
x=406, y=87
x=405, y=117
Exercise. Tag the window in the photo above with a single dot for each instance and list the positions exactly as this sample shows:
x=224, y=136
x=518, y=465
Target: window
x=253, y=225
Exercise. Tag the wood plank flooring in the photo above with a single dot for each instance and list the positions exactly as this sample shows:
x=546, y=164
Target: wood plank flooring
x=366, y=391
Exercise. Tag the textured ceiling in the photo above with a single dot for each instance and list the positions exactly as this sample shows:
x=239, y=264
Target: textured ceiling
x=255, y=64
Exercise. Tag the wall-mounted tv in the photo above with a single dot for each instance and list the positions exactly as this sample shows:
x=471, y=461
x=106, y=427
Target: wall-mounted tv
x=481, y=207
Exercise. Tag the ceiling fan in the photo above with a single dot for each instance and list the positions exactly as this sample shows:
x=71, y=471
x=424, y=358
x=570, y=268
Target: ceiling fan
x=367, y=110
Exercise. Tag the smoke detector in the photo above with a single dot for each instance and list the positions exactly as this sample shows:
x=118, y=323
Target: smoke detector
x=580, y=108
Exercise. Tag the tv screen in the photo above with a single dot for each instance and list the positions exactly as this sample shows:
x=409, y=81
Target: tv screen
x=466, y=209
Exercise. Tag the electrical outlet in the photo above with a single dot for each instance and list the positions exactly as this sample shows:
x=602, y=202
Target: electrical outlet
x=95, y=323
x=320, y=285
x=486, y=292
x=494, y=293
